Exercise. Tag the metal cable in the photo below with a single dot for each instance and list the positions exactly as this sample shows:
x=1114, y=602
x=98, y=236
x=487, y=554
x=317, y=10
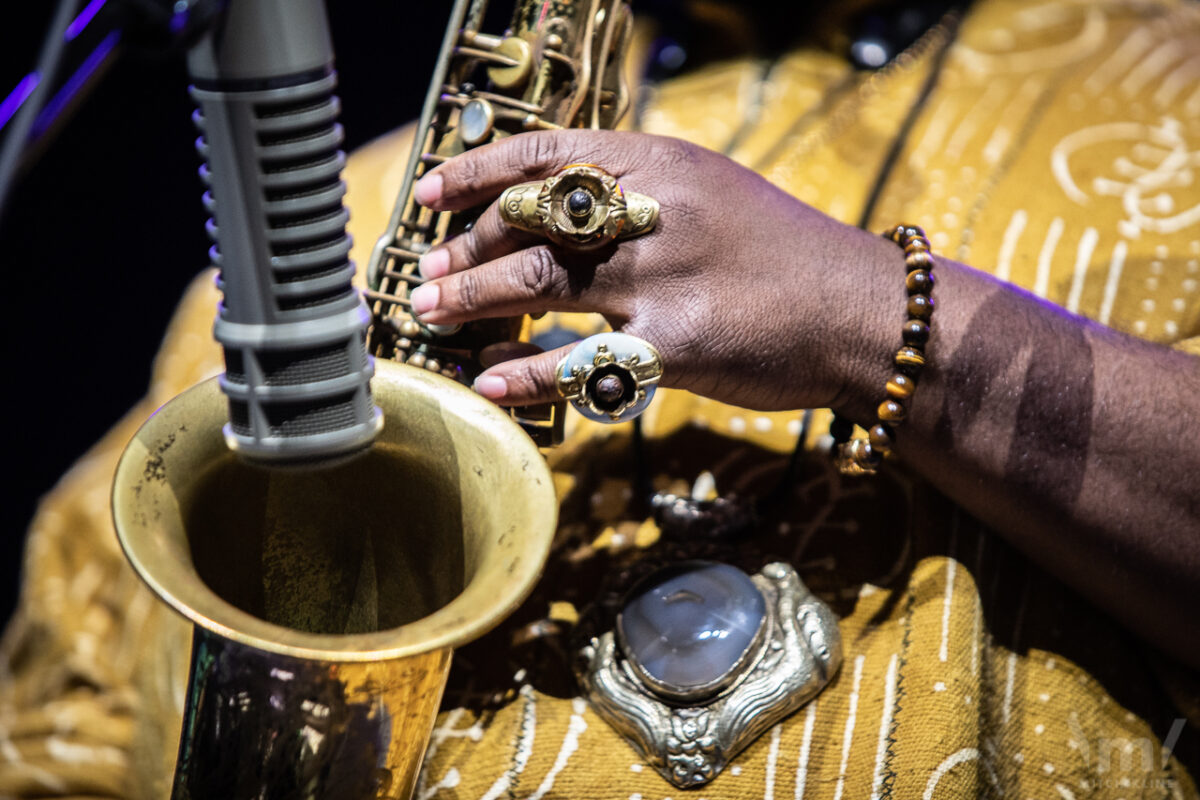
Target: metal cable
x=49, y=60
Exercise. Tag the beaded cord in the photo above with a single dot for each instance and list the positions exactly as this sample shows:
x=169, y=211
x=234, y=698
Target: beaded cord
x=863, y=456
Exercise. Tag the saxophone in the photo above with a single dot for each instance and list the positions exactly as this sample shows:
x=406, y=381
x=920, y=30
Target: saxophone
x=559, y=65
x=324, y=619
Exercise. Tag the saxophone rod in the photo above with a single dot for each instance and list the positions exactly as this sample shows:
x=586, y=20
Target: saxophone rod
x=465, y=13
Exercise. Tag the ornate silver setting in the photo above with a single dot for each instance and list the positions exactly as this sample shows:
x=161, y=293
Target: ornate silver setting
x=690, y=739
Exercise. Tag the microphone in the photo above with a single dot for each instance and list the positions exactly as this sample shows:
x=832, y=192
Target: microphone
x=293, y=329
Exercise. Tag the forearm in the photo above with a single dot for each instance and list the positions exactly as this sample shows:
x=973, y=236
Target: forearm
x=1075, y=442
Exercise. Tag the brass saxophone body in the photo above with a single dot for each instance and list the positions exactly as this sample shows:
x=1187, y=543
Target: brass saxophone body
x=559, y=65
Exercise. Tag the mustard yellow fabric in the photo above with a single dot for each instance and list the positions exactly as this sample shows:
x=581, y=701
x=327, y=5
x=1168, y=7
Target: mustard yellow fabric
x=1058, y=152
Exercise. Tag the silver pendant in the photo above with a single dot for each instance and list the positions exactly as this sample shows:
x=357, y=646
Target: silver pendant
x=700, y=666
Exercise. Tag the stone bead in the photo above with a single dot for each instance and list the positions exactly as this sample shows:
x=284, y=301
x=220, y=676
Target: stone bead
x=579, y=203
x=920, y=306
x=901, y=387
x=909, y=360
x=891, y=411
x=609, y=389
x=689, y=625
x=919, y=281
x=915, y=332
x=913, y=246
x=919, y=259
x=881, y=437
x=865, y=455
x=417, y=360
x=914, y=230
x=409, y=328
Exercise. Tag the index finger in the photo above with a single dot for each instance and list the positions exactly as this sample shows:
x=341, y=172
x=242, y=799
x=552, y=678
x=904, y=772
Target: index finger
x=480, y=175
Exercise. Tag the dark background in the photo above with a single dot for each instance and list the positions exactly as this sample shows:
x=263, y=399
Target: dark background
x=105, y=230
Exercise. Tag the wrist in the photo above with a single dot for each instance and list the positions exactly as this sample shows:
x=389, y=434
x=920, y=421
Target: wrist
x=866, y=343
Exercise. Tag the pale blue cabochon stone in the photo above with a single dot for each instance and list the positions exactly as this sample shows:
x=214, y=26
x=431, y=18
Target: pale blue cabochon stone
x=689, y=625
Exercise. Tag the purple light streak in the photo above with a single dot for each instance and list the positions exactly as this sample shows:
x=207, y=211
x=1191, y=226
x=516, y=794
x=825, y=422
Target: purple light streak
x=80, y=22
x=25, y=88
x=74, y=83
x=179, y=19
x=17, y=97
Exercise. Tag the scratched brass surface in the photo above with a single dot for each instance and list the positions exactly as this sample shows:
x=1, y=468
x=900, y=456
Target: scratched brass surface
x=327, y=600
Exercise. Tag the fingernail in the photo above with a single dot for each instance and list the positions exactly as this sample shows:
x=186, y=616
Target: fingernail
x=493, y=387
x=425, y=298
x=428, y=190
x=435, y=263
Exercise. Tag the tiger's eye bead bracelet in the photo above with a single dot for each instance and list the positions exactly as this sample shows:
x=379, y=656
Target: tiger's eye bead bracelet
x=863, y=456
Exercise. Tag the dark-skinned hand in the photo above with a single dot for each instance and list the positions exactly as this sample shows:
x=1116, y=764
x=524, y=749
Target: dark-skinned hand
x=748, y=293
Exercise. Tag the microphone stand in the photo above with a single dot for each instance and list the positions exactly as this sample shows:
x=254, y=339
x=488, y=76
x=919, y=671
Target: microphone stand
x=83, y=43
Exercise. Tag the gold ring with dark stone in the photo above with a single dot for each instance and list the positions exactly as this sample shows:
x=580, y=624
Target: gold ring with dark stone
x=581, y=207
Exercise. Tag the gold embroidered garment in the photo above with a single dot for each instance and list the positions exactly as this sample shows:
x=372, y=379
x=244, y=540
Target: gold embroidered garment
x=1059, y=150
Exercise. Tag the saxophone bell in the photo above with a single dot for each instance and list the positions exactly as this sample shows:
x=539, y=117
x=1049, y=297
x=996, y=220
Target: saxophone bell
x=326, y=602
